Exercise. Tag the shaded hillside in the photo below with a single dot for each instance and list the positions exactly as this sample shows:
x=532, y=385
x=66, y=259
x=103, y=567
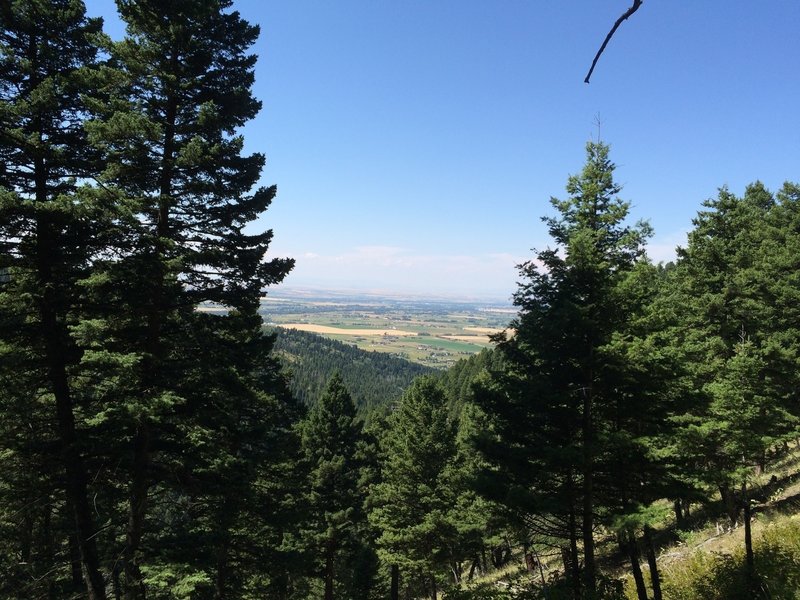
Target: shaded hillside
x=374, y=379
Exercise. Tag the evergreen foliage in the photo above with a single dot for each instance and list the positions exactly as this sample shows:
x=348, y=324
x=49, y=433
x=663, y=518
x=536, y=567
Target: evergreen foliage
x=153, y=404
x=332, y=438
x=412, y=506
x=566, y=410
x=149, y=449
x=374, y=379
x=49, y=233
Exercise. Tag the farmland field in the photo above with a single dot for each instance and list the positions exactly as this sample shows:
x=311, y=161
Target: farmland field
x=433, y=332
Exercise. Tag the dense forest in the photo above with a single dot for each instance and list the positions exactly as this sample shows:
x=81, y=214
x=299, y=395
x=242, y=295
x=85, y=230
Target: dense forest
x=152, y=450
x=375, y=380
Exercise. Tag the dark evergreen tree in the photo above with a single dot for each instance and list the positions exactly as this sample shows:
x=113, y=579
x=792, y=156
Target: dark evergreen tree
x=734, y=329
x=331, y=439
x=176, y=90
x=48, y=236
x=411, y=506
x=555, y=408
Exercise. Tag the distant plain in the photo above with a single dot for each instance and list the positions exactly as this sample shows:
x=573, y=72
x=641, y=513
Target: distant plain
x=434, y=332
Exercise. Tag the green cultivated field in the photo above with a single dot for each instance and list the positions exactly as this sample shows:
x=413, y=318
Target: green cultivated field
x=422, y=331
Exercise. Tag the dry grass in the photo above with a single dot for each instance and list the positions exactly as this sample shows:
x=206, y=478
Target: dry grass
x=486, y=330
x=326, y=330
x=482, y=340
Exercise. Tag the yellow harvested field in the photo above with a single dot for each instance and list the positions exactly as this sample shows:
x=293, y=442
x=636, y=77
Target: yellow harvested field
x=324, y=329
x=474, y=339
x=487, y=330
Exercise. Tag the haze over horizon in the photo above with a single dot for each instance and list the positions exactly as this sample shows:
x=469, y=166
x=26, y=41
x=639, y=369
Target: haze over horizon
x=415, y=145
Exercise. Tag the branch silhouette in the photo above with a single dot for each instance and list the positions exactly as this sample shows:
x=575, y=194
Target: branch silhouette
x=634, y=7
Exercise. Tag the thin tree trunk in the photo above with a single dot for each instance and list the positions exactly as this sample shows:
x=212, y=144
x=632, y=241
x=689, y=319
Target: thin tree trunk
x=729, y=501
x=633, y=553
x=748, y=536
x=75, y=562
x=394, y=592
x=49, y=549
x=589, y=571
x=678, y=512
x=55, y=352
x=223, y=550
x=116, y=583
x=472, y=567
x=434, y=591
x=574, y=570
x=329, y=552
x=137, y=509
x=655, y=578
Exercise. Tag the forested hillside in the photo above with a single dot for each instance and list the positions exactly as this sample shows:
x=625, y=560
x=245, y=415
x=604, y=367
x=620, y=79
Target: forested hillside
x=150, y=449
x=374, y=379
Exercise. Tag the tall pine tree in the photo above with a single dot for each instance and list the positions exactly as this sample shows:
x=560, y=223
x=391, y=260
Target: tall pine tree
x=48, y=237
x=331, y=439
x=411, y=505
x=177, y=88
x=556, y=404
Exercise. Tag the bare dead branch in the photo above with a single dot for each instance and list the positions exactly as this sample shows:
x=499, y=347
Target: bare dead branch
x=634, y=7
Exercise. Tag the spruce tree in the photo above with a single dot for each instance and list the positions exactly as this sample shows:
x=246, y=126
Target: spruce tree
x=412, y=504
x=176, y=89
x=555, y=403
x=734, y=327
x=331, y=439
x=49, y=233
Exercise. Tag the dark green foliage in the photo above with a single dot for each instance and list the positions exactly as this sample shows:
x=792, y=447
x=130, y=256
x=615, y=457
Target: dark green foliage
x=204, y=401
x=49, y=233
x=175, y=422
x=375, y=379
x=412, y=506
x=337, y=532
x=567, y=407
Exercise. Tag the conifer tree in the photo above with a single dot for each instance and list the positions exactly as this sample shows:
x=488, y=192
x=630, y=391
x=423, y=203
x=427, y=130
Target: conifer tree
x=48, y=236
x=176, y=90
x=735, y=332
x=411, y=505
x=331, y=438
x=554, y=405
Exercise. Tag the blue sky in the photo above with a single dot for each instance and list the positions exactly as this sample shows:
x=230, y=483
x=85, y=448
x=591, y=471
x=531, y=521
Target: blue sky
x=416, y=143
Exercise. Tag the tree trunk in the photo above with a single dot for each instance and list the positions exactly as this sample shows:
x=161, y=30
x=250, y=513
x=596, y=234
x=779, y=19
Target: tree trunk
x=53, y=335
x=589, y=571
x=730, y=503
x=49, y=549
x=329, y=552
x=115, y=583
x=223, y=552
x=434, y=590
x=75, y=562
x=394, y=592
x=574, y=570
x=629, y=540
x=655, y=578
x=678, y=512
x=137, y=508
x=748, y=536
x=472, y=568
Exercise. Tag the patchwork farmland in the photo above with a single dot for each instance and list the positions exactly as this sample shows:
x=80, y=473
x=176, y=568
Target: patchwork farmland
x=431, y=332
